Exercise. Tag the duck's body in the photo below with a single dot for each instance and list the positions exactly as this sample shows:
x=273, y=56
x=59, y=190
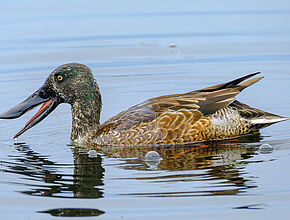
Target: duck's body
x=197, y=116
x=176, y=127
x=202, y=115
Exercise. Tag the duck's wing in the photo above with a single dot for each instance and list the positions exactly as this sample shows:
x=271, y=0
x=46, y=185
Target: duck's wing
x=207, y=100
x=200, y=102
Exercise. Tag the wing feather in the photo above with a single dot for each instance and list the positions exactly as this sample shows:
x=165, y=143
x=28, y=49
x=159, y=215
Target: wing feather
x=205, y=101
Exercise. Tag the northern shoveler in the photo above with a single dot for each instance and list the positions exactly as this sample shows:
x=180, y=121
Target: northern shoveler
x=202, y=115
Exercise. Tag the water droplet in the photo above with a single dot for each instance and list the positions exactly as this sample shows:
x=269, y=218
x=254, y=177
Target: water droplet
x=265, y=149
x=152, y=156
x=92, y=153
x=152, y=160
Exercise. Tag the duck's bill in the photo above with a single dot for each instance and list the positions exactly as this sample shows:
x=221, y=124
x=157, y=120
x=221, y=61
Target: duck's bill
x=49, y=104
x=43, y=112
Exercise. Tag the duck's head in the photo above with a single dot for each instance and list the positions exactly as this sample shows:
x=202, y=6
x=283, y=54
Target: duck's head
x=71, y=83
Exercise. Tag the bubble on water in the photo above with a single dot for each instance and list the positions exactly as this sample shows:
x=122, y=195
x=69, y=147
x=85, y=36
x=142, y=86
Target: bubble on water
x=152, y=159
x=152, y=156
x=265, y=149
x=92, y=153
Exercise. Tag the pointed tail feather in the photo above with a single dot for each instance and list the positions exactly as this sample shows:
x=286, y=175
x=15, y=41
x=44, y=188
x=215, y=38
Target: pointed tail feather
x=268, y=120
x=235, y=83
x=248, y=83
x=257, y=117
x=263, y=122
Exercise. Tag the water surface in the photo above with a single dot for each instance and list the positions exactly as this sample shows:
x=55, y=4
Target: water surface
x=137, y=51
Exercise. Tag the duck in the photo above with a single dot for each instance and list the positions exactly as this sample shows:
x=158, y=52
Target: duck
x=204, y=115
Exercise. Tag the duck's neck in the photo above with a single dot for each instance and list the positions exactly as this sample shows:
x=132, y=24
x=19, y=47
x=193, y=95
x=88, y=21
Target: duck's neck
x=85, y=115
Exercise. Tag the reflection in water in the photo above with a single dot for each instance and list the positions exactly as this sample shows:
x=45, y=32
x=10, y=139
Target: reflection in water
x=73, y=212
x=252, y=206
x=213, y=169
x=219, y=163
x=48, y=180
x=88, y=176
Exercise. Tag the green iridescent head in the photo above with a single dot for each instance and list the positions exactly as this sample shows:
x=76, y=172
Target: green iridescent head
x=72, y=82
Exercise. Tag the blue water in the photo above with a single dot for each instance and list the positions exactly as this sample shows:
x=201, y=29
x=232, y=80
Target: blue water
x=139, y=50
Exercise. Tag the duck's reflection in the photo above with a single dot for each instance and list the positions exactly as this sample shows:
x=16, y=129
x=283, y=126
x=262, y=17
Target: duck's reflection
x=48, y=177
x=223, y=162
x=88, y=176
x=220, y=164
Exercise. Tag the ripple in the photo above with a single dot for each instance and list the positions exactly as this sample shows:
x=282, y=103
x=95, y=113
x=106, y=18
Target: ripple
x=252, y=206
x=73, y=212
x=46, y=178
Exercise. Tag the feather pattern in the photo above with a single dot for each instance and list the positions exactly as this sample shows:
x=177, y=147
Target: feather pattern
x=201, y=115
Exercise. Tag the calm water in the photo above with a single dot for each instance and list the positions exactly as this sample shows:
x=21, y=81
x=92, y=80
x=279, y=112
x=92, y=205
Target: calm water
x=137, y=51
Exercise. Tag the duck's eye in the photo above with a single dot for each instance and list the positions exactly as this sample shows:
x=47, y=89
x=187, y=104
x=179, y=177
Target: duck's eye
x=59, y=78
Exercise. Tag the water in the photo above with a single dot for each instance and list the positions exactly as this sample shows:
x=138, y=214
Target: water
x=139, y=50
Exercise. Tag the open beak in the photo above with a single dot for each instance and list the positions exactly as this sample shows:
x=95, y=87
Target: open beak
x=37, y=98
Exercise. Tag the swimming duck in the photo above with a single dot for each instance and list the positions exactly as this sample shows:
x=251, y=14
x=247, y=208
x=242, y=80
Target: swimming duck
x=208, y=114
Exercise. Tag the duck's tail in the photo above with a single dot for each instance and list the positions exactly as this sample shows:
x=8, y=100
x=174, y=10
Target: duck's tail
x=257, y=117
x=268, y=120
